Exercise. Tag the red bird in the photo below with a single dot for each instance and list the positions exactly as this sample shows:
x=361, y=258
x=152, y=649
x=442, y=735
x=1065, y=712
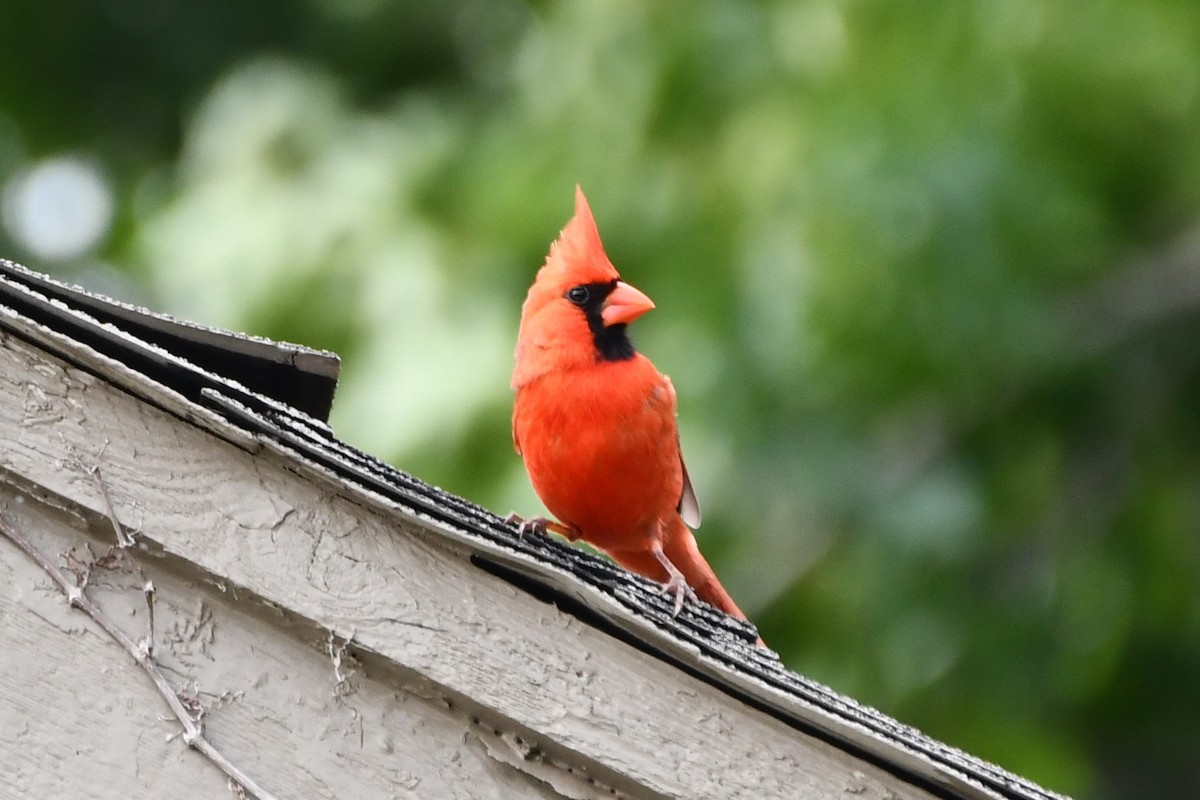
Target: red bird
x=594, y=421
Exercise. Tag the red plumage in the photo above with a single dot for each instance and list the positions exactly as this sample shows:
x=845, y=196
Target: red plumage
x=594, y=420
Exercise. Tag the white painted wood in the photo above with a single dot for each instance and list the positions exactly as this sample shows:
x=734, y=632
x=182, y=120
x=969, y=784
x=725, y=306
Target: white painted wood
x=79, y=720
x=592, y=705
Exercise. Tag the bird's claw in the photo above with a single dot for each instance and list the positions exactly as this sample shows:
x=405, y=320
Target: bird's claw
x=542, y=527
x=678, y=586
x=537, y=525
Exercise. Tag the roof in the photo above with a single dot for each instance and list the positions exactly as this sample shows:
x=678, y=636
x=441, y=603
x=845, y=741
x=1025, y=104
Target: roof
x=279, y=395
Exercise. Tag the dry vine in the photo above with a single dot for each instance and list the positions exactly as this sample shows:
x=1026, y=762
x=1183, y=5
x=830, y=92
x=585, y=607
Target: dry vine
x=141, y=652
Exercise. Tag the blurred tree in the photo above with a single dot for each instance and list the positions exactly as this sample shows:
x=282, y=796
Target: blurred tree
x=928, y=280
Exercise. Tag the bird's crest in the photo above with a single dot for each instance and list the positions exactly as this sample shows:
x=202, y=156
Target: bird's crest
x=578, y=254
x=553, y=332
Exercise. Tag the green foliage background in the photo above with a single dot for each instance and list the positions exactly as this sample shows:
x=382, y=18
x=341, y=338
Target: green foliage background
x=928, y=280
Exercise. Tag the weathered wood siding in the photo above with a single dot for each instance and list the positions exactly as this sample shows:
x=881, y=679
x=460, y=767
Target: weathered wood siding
x=465, y=686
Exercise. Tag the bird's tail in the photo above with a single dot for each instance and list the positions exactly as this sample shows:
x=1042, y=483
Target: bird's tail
x=680, y=547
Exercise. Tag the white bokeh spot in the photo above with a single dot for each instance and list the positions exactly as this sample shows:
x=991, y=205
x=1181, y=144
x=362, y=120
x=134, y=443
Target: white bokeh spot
x=58, y=209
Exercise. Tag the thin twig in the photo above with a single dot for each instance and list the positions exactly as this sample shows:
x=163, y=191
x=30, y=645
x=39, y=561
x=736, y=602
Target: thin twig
x=148, y=592
x=193, y=732
x=123, y=537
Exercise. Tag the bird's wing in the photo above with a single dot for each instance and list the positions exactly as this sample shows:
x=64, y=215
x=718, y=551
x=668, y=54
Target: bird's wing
x=689, y=506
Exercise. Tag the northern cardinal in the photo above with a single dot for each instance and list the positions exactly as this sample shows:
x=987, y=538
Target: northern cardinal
x=594, y=421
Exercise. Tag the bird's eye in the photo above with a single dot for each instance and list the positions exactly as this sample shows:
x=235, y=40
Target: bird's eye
x=578, y=295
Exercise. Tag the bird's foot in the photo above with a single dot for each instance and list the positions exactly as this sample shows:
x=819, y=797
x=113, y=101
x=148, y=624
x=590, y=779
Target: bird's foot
x=538, y=525
x=676, y=584
x=679, y=587
x=524, y=526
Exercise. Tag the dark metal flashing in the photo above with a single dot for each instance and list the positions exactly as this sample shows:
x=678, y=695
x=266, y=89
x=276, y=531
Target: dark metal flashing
x=293, y=374
x=281, y=395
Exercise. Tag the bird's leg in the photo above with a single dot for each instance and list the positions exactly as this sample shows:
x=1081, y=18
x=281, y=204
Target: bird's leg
x=539, y=525
x=676, y=584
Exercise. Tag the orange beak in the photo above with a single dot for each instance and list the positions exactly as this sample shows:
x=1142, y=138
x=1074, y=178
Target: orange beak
x=624, y=304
